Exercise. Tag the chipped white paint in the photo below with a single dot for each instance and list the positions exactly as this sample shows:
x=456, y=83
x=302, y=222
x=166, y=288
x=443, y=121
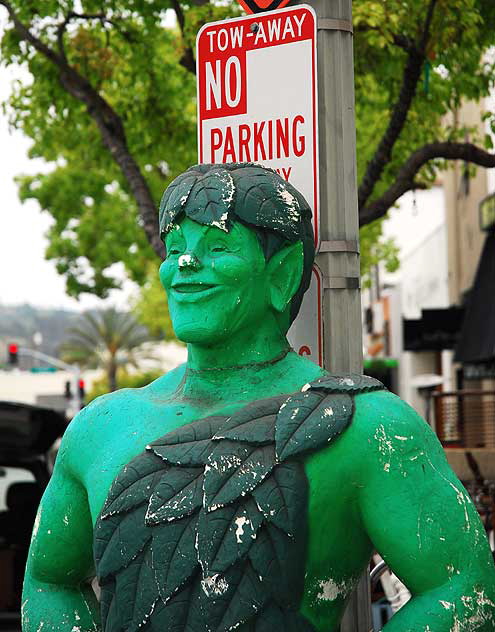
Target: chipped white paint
x=462, y=501
x=446, y=604
x=385, y=446
x=476, y=614
x=294, y=413
x=37, y=523
x=290, y=200
x=214, y=585
x=228, y=188
x=220, y=225
x=66, y=520
x=328, y=412
x=148, y=614
x=384, y=443
x=24, y=617
x=186, y=261
x=239, y=532
x=329, y=590
x=305, y=388
x=482, y=599
x=224, y=463
x=399, y=438
x=347, y=381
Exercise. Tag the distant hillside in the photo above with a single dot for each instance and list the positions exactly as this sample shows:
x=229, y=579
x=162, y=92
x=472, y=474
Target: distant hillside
x=19, y=323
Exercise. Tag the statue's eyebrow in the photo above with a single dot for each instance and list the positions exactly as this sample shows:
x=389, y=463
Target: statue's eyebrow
x=175, y=231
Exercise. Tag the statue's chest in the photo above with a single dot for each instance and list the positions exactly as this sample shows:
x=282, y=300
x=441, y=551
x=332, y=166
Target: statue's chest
x=121, y=436
x=207, y=528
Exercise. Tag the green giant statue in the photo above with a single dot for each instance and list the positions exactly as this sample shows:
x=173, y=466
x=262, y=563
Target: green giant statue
x=247, y=489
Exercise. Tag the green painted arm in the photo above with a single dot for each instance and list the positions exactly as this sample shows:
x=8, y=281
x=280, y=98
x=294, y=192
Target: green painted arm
x=56, y=593
x=420, y=518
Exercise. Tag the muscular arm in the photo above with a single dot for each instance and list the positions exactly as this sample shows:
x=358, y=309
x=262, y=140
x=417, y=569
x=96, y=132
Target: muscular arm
x=56, y=593
x=421, y=520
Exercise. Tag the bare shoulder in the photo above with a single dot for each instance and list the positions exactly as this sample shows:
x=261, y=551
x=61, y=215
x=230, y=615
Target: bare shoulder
x=109, y=415
x=382, y=410
x=390, y=433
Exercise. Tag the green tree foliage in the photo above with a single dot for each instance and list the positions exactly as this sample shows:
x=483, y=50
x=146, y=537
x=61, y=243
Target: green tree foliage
x=107, y=339
x=112, y=108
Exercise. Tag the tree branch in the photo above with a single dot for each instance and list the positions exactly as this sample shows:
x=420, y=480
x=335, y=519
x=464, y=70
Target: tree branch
x=102, y=18
x=400, y=110
x=60, y=37
x=402, y=41
x=109, y=123
x=187, y=59
x=427, y=26
x=62, y=27
x=405, y=180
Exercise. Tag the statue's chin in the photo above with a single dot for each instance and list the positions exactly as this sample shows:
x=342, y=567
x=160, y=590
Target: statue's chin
x=198, y=333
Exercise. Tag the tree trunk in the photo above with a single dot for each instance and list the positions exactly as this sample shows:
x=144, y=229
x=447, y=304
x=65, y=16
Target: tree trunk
x=112, y=376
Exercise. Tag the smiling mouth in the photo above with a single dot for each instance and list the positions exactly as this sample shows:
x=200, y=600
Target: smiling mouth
x=192, y=288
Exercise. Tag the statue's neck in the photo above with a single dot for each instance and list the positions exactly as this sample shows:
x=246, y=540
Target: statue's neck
x=258, y=371
x=247, y=348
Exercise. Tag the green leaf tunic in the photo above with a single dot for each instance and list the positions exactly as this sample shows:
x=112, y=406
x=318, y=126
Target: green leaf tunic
x=206, y=530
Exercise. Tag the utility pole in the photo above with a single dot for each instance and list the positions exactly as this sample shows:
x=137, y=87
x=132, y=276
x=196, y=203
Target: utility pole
x=338, y=257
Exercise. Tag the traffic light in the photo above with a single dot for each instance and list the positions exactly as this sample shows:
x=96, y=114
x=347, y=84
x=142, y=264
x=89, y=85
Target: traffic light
x=82, y=391
x=13, y=350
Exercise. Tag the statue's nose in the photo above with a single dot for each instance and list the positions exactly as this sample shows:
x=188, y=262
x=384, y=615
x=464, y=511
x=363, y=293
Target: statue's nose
x=188, y=261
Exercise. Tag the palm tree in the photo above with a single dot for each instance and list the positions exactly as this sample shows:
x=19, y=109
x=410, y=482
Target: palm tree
x=107, y=339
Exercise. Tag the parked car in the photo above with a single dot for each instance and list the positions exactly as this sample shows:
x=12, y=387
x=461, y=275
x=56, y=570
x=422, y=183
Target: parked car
x=27, y=433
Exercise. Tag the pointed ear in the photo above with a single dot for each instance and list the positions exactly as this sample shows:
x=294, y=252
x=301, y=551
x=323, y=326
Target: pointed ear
x=284, y=275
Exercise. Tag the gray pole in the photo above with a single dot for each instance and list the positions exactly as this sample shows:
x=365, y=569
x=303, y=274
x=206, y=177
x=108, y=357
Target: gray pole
x=338, y=258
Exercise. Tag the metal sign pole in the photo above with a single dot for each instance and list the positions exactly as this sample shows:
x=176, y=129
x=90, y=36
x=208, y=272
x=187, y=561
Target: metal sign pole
x=338, y=257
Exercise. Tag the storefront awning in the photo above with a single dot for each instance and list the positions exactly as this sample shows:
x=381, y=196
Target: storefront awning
x=437, y=329
x=477, y=340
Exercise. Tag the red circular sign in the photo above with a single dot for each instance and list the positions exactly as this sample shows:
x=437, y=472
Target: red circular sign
x=258, y=6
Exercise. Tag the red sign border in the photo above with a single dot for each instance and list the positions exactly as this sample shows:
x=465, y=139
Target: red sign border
x=273, y=6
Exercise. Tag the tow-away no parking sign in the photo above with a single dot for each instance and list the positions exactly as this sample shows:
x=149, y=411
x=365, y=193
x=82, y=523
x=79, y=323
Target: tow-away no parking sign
x=257, y=103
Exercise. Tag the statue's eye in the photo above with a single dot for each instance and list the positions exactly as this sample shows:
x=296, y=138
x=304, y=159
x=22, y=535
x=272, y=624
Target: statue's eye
x=173, y=251
x=219, y=248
